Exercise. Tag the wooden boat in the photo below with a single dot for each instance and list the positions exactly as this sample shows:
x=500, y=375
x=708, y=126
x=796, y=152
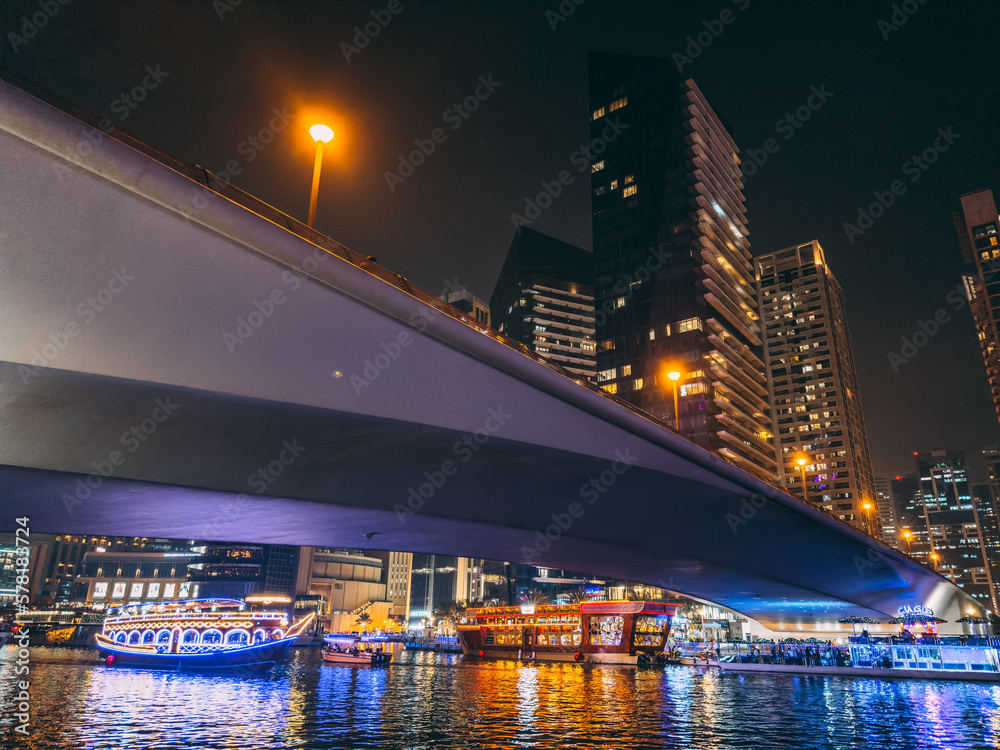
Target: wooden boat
x=199, y=634
x=617, y=632
x=363, y=658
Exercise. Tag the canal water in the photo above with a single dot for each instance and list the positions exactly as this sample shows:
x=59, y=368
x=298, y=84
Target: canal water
x=428, y=700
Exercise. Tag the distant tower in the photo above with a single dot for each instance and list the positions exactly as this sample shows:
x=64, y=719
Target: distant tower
x=813, y=385
x=675, y=284
x=887, y=512
x=470, y=304
x=976, y=224
x=952, y=518
x=544, y=298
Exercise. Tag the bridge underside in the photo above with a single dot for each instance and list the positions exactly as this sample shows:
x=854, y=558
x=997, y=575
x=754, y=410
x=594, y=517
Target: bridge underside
x=238, y=377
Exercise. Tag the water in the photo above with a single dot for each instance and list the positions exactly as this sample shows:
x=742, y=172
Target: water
x=431, y=700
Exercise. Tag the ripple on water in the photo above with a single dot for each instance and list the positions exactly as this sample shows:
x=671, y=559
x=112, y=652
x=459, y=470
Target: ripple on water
x=428, y=700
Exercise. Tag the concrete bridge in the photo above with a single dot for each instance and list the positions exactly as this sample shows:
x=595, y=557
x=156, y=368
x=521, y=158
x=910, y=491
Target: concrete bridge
x=178, y=359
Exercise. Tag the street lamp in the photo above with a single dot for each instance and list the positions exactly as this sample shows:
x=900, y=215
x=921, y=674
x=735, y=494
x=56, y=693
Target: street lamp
x=867, y=505
x=802, y=460
x=906, y=536
x=321, y=134
x=674, y=376
x=934, y=557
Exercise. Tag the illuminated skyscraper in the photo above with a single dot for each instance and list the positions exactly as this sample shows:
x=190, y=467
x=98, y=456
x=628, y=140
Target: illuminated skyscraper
x=675, y=283
x=977, y=223
x=813, y=385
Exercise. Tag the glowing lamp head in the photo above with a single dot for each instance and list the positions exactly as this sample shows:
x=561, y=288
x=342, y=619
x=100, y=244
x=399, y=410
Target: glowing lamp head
x=801, y=461
x=907, y=534
x=321, y=133
x=934, y=555
x=866, y=505
x=674, y=375
x=971, y=611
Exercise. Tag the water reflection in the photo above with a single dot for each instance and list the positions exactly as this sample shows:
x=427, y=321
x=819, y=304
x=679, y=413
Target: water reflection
x=428, y=700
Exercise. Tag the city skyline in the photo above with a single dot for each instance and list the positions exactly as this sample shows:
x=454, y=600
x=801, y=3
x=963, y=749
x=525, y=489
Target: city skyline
x=844, y=130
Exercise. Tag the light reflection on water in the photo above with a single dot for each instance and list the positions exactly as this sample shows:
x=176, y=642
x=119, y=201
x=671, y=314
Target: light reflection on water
x=443, y=701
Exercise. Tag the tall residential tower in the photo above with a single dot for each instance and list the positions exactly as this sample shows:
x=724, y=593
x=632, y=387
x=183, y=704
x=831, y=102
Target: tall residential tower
x=813, y=386
x=675, y=284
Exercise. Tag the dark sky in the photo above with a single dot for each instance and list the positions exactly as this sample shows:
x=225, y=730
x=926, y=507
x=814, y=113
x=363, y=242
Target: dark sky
x=229, y=66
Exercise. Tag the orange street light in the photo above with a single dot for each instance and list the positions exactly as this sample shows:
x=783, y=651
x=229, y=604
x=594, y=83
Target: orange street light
x=867, y=505
x=674, y=376
x=321, y=134
x=802, y=460
x=935, y=557
x=906, y=536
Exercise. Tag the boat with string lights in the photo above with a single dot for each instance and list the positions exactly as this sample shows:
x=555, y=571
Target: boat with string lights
x=199, y=635
x=616, y=632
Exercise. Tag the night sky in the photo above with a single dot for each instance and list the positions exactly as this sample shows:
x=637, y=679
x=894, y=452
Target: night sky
x=223, y=70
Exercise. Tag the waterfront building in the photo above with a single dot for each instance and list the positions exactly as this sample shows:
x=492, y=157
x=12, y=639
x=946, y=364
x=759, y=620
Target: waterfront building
x=399, y=578
x=114, y=578
x=813, y=386
x=956, y=545
x=437, y=580
x=544, y=298
x=350, y=583
x=886, y=511
x=236, y=570
x=470, y=304
x=976, y=223
x=10, y=556
x=674, y=276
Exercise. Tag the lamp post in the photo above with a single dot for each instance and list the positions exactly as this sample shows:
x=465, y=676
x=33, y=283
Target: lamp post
x=802, y=460
x=321, y=134
x=935, y=556
x=906, y=535
x=867, y=505
x=674, y=376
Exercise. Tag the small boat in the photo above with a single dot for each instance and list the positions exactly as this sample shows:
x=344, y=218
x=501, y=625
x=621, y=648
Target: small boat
x=197, y=634
x=355, y=656
x=699, y=660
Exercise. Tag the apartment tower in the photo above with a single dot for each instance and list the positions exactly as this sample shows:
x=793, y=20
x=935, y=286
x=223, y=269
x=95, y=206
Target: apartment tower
x=675, y=283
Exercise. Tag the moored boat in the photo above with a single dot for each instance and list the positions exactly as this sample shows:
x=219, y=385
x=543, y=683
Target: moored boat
x=200, y=634
x=333, y=655
x=618, y=632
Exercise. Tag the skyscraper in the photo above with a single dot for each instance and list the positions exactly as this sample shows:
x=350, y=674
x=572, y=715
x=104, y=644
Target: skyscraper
x=675, y=283
x=887, y=512
x=976, y=224
x=813, y=385
x=957, y=546
x=544, y=298
x=470, y=304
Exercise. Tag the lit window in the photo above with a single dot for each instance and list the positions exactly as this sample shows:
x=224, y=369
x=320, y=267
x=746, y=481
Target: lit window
x=605, y=375
x=638, y=384
x=618, y=104
x=668, y=327
x=599, y=190
x=607, y=345
x=692, y=388
x=652, y=334
x=614, y=184
x=620, y=302
x=598, y=113
x=630, y=190
x=626, y=370
x=597, y=166
x=628, y=179
x=689, y=325
x=611, y=387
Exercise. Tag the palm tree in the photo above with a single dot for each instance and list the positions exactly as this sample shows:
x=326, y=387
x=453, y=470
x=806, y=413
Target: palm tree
x=577, y=597
x=450, y=613
x=364, y=620
x=537, y=597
